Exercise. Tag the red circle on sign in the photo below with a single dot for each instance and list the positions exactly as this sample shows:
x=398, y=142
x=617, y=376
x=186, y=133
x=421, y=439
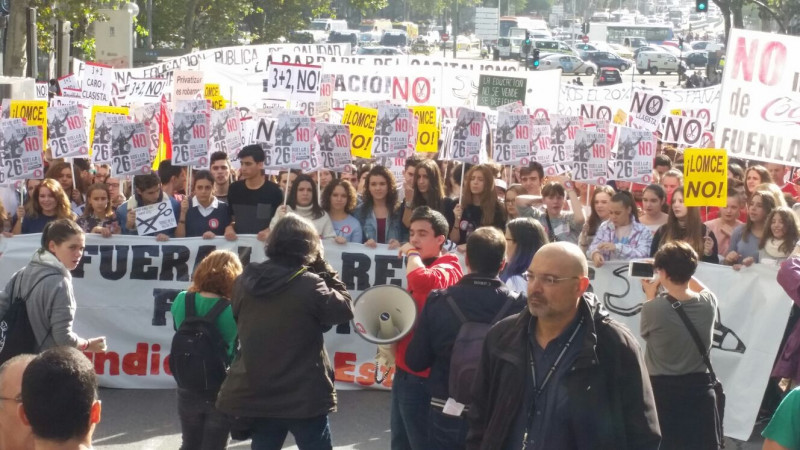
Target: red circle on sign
x=304, y=165
x=585, y=39
x=203, y=161
x=601, y=181
x=347, y=169
x=37, y=173
x=401, y=154
x=646, y=178
x=524, y=161
x=475, y=159
x=145, y=169
x=445, y=37
x=84, y=150
x=213, y=223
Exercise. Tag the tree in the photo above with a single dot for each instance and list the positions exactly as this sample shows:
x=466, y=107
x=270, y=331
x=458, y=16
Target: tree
x=197, y=23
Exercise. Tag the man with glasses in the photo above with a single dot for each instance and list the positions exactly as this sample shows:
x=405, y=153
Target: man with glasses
x=115, y=192
x=562, y=374
x=14, y=435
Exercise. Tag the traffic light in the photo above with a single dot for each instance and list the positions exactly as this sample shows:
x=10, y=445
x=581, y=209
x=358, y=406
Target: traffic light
x=585, y=27
x=526, y=45
x=680, y=43
x=701, y=5
x=535, y=59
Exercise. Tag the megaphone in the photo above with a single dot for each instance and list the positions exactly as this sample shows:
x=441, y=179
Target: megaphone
x=384, y=314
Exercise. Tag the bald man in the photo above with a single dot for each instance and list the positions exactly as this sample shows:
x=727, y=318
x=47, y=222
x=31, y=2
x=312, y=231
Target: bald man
x=562, y=374
x=14, y=435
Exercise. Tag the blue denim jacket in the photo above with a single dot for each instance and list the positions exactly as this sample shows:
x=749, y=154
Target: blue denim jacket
x=369, y=225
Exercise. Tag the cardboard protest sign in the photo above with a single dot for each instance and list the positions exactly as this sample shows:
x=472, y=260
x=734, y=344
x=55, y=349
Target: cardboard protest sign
x=512, y=139
x=146, y=90
x=391, y=132
x=590, y=158
x=23, y=152
x=67, y=132
x=427, y=129
x=541, y=150
x=683, y=131
x=494, y=91
x=226, y=132
x=634, y=158
x=130, y=149
x=155, y=218
x=467, y=133
x=758, y=113
x=705, y=172
x=34, y=112
x=189, y=139
x=98, y=83
x=187, y=84
x=334, y=145
x=647, y=109
x=42, y=90
x=325, y=102
x=69, y=82
x=562, y=138
x=292, y=147
x=100, y=131
x=150, y=116
x=362, y=129
x=287, y=81
x=212, y=93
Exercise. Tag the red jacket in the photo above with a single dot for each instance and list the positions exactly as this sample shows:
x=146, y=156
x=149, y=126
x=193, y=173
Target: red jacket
x=443, y=273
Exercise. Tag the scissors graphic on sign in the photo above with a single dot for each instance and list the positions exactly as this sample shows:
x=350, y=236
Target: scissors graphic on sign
x=150, y=223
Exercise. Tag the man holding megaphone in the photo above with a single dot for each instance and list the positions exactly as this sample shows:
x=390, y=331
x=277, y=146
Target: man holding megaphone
x=427, y=268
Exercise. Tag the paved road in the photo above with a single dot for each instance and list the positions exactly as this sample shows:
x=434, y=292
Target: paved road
x=147, y=420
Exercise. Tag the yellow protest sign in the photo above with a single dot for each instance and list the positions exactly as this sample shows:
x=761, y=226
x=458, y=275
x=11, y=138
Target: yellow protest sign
x=362, y=129
x=705, y=172
x=121, y=110
x=211, y=90
x=33, y=111
x=427, y=129
x=217, y=102
x=620, y=117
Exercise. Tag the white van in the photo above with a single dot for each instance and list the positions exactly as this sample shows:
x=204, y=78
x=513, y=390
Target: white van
x=320, y=28
x=655, y=62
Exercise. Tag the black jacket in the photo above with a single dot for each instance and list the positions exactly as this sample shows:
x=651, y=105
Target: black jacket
x=612, y=406
x=479, y=299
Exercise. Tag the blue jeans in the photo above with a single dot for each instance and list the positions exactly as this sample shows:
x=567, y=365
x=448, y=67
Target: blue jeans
x=447, y=432
x=202, y=426
x=309, y=434
x=411, y=402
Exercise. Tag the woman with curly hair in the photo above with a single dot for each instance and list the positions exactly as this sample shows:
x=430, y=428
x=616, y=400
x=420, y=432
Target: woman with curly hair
x=48, y=202
x=379, y=215
x=339, y=200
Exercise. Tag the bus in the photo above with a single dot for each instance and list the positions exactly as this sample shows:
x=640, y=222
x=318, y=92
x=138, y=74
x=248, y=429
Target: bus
x=509, y=22
x=619, y=33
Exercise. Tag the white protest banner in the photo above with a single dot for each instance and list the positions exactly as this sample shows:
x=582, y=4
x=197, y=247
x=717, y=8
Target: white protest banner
x=590, y=158
x=42, y=90
x=647, y=108
x=541, y=150
x=146, y=275
x=684, y=131
x=562, y=138
x=391, y=132
x=187, y=85
x=190, y=139
x=226, y=132
x=101, y=136
x=758, y=116
x=635, y=153
x=600, y=101
x=23, y=150
x=512, y=139
x=396, y=60
x=287, y=81
x=150, y=116
x=145, y=90
x=193, y=106
x=156, y=217
x=98, y=83
x=334, y=145
x=69, y=82
x=325, y=102
x=66, y=132
x=466, y=138
x=292, y=143
x=130, y=149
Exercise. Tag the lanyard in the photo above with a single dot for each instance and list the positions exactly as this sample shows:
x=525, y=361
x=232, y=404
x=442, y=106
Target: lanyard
x=537, y=390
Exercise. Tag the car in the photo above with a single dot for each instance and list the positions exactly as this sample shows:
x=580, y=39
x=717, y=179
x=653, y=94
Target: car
x=696, y=59
x=646, y=48
x=621, y=50
x=654, y=62
x=509, y=47
x=395, y=38
x=568, y=64
x=380, y=50
x=700, y=45
x=609, y=59
x=607, y=76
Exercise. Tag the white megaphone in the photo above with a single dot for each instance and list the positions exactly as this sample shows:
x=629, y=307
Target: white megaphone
x=383, y=315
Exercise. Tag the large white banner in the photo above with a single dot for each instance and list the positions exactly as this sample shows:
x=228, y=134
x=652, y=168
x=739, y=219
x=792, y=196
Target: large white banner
x=125, y=285
x=758, y=117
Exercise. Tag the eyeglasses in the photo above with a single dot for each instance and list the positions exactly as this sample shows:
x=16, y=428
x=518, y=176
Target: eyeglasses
x=547, y=280
x=17, y=399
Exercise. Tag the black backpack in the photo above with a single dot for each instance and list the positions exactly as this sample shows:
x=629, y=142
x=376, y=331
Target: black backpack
x=467, y=348
x=198, y=358
x=16, y=333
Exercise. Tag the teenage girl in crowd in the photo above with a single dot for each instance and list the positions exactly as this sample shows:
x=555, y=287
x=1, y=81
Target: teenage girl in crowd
x=204, y=215
x=601, y=197
x=745, y=240
x=428, y=191
x=753, y=176
x=511, y=195
x=654, y=201
x=98, y=215
x=728, y=220
x=379, y=215
x=684, y=224
x=479, y=206
x=621, y=237
x=62, y=172
x=524, y=237
x=339, y=200
x=303, y=201
x=48, y=202
x=780, y=236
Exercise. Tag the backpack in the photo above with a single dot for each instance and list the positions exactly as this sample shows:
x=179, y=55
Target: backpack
x=467, y=348
x=16, y=333
x=198, y=358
